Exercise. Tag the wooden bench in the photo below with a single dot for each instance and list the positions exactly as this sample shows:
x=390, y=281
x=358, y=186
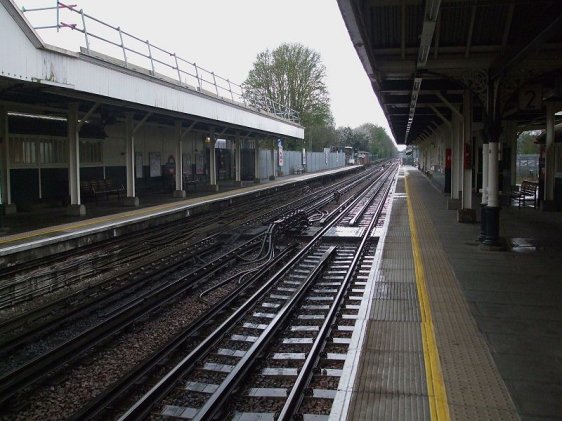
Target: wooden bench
x=188, y=180
x=298, y=170
x=95, y=188
x=527, y=193
x=86, y=190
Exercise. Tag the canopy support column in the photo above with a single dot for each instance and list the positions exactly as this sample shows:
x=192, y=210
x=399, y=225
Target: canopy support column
x=179, y=192
x=256, y=161
x=547, y=203
x=75, y=208
x=213, y=162
x=237, y=159
x=131, y=199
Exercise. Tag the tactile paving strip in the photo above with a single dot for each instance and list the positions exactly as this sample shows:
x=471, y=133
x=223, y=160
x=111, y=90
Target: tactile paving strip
x=474, y=387
x=390, y=382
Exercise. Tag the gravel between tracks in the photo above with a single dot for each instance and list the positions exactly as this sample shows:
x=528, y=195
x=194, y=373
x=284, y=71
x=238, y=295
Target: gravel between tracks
x=61, y=399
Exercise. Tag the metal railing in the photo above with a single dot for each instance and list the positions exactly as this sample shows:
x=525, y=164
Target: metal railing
x=160, y=63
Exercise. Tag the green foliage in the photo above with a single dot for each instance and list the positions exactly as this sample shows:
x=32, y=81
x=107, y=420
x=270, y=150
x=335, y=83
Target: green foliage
x=320, y=136
x=292, y=75
x=367, y=137
x=525, y=143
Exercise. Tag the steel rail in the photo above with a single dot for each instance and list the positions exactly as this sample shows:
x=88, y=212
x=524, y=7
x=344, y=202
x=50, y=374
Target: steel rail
x=43, y=311
x=305, y=373
x=71, y=259
x=26, y=375
x=212, y=406
x=217, y=399
x=367, y=204
x=113, y=394
x=144, y=405
x=171, y=227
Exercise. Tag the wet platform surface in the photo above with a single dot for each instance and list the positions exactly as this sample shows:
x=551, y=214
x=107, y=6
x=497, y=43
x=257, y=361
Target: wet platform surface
x=496, y=317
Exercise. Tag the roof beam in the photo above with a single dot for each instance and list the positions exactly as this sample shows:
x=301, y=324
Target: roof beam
x=429, y=20
x=519, y=53
x=437, y=32
x=470, y=31
x=441, y=116
x=87, y=116
x=448, y=104
x=403, y=31
x=426, y=37
x=507, y=26
x=140, y=123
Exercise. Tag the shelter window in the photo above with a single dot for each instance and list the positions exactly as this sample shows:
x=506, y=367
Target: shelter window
x=91, y=152
x=53, y=151
x=23, y=151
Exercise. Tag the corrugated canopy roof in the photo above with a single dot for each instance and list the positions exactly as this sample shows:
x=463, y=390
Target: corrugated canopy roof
x=419, y=54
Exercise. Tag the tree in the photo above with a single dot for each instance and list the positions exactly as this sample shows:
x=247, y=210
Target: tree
x=380, y=143
x=292, y=75
x=345, y=136
x=367, y=137
x=321, y=136
x=526, y=143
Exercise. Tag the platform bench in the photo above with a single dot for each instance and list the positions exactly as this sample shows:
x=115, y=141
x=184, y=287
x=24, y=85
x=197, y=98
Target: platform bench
x=190, y=181
x=527, y=193
x=95, y=188
x=298, y=170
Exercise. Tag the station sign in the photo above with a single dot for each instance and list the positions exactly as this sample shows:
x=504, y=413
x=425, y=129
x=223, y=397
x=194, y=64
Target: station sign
x=530, y=97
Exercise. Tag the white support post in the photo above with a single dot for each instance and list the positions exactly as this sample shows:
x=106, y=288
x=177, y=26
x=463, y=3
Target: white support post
x=131, y=199
x=273, y=163
x=512, y=139
x=5, y=184
x=485, y=171
x=73, y=155
x=457, y=152
x=237, y=159
x=467, y=143
x=460, y=158
x=75, y=208
x=256, y=161
x=549, y=168
x=456, y=161
x=448, y=143
x=4, y=161
x=493, y=194
x=484, y=201
x=213, y=159
x=179, y=191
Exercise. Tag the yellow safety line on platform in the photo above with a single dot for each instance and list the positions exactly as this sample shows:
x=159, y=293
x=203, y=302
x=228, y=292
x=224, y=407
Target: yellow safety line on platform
x=438, y=406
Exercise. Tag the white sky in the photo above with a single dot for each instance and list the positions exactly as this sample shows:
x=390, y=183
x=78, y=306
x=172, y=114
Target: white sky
x=225, y=36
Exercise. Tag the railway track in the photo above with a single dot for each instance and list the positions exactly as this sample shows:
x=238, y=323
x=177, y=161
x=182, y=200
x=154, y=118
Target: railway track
x=35, y=279
x=116, y=317
x=263, y=263
x=289, y=319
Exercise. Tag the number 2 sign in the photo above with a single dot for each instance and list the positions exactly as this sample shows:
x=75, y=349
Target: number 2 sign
x=530, y=97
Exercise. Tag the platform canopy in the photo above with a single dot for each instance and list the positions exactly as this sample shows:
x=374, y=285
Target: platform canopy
x=422, y=55
x=41, y=79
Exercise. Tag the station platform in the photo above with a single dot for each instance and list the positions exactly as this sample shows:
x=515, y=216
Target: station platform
x=33, y=233
x=450, y=330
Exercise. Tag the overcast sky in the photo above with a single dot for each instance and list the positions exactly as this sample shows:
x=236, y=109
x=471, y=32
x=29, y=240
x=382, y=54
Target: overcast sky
x=226, y=35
